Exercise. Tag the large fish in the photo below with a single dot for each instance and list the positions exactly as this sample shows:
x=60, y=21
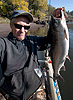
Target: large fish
x=60, y=44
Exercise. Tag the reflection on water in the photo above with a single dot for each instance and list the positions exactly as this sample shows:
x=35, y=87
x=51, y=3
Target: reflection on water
x=66, y=88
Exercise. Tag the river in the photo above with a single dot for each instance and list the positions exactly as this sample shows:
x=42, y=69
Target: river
x=67, y=86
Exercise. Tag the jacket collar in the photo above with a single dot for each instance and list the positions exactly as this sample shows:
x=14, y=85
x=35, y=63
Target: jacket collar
x=11, y=37
x=14, y=39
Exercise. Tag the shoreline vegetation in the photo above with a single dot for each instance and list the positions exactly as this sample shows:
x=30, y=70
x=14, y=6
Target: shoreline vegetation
x=4, y=20
x=69, y=18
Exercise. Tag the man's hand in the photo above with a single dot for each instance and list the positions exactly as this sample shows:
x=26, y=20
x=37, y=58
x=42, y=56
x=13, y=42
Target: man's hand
x=56, y=13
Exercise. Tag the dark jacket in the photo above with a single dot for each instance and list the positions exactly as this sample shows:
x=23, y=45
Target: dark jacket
x=18, y=60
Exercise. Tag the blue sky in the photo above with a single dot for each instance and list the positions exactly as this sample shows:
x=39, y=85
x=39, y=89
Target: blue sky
x=68, y=4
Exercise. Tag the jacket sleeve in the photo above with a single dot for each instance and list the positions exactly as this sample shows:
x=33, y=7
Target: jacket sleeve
x=2, y=49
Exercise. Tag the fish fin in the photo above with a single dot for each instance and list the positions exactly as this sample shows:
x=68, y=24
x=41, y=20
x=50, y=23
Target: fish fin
x=63, y=68
x=65, y=35
x=68, y=58
x=59, y=78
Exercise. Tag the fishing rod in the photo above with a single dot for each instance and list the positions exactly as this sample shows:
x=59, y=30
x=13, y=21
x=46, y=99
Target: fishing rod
x=49, y=11
x=51, y=87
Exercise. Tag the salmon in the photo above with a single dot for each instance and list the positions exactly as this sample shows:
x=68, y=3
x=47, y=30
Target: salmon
x=59, y=36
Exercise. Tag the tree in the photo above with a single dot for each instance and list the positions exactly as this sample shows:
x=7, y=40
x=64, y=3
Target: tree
x=38, y=7
x=51, y=9
x=20, y=5
x=1, y=6
x=5, y=7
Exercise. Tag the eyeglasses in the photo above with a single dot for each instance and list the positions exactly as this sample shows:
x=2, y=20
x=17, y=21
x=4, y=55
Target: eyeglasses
x=20, y=26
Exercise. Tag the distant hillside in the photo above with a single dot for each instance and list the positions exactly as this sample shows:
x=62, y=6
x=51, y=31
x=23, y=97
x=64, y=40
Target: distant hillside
x=71, y=13
x=70, y=16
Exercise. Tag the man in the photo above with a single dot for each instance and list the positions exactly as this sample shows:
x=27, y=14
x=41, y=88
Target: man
x=22, y=75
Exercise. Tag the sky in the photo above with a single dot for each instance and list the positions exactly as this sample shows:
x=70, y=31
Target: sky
x=68, y=4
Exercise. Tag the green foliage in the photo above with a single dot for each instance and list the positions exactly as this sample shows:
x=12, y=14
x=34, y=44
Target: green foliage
x=39, y=14
x=5, y=7
x=1, y=5
x=2, y=8
x=38, y=7
x=51, y=9
x=71, y=13
x=20, y=5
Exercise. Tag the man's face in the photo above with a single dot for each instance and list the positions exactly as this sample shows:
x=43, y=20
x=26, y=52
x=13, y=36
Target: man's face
x=18, y=30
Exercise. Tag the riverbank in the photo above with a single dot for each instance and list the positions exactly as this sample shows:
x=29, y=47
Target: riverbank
x=5, y=28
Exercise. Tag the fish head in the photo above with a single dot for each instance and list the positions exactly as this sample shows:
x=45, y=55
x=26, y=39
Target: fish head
x=57, y=22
